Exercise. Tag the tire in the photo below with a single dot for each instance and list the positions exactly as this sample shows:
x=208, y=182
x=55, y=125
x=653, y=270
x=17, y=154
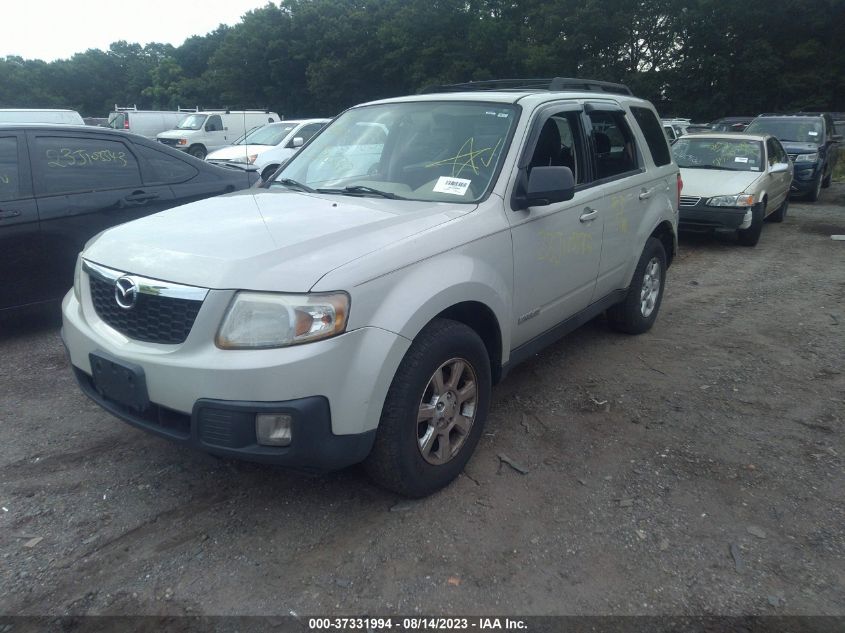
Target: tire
x=780, y=213
x=751, y=235
x=826, y=181
x=197, y=151
x=268, y=172
x=813, y=196
x=420, y=445
x=638, y=311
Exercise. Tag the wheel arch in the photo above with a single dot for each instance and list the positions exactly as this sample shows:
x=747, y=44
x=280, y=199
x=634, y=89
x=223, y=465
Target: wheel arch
x=665, y=232
x=481, y=319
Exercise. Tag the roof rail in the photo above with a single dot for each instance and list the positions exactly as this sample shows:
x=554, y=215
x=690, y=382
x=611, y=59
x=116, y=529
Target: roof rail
x=181, y=109
x=133, y=108
x=552, y=84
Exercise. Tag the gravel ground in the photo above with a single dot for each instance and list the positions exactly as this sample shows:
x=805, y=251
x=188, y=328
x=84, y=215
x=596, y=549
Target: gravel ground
x=696, y=469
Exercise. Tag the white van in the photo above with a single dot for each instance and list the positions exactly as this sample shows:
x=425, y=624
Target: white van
x=41, y=115
x=203, y=132
x=146, y=123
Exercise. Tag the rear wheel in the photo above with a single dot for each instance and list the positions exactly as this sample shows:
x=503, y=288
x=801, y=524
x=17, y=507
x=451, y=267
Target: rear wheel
x=434, y=412
x=637, y=313
x=751, y=235
x=197, y=151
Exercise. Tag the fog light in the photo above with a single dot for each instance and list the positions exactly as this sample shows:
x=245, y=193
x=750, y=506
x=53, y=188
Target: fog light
x=273, y=429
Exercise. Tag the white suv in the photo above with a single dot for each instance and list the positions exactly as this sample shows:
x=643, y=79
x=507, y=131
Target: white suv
x=360, y=306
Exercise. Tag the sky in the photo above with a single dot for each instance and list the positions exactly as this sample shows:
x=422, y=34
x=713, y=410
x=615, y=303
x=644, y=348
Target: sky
x=56, y=29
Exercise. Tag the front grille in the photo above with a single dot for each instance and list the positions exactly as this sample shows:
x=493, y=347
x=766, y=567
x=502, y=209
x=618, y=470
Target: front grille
x=689, y=201
x=219, y=161
x=168, y=141
x=153, y=318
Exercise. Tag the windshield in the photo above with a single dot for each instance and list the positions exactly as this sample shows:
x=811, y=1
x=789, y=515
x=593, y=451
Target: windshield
x=796, y=130
x=266, y=134
x=438, y=151
x=116, y=120
x=728, y=154
x=192, y=122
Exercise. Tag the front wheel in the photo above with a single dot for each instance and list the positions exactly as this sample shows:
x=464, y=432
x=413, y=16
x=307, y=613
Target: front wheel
x=268, y=172
x=751, y=235
x=197, y=151
x=434, y=412
x=638, y=312
x=813, y=196
x=780, y=213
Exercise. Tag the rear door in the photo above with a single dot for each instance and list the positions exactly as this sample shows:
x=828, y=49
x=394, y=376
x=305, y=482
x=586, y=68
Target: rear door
x=21, y=277
x=635, y=192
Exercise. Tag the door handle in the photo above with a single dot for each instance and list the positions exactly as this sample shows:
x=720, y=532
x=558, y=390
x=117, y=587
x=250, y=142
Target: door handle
x=589, y=214
x=645, y=194
x=9, y=214
x=141, y=197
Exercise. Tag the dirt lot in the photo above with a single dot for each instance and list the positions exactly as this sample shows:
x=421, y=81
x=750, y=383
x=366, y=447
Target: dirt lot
x=695, y=469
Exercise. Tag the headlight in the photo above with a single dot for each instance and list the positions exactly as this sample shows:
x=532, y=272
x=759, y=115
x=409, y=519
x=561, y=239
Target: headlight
x=245, y=159
x=257, y=320
x=181, y=141
x=739, y=200
x=77, y=278
x=807, y=158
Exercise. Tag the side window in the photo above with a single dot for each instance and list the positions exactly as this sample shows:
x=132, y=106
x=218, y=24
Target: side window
x=613, y=144
x=214, y=124
x=650, y=127
x=781, y=153
x=9, y=180
x=310, y=130
x=561, y=144
x=75, y=164
x=772, y=152
x=165, y=168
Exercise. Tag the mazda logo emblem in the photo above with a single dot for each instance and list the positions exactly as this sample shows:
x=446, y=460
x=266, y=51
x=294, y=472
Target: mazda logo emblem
x=125, y=292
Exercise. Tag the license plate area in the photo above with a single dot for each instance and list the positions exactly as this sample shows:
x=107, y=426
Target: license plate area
x=123, y=383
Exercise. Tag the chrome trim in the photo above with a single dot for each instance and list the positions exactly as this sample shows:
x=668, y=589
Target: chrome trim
x=689, y=201
x=146, y=285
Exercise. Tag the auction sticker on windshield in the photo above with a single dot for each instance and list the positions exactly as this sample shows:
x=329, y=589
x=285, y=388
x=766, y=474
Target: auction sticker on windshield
x=455, y=186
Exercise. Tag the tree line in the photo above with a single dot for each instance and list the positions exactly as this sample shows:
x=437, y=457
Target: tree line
x=696, y=58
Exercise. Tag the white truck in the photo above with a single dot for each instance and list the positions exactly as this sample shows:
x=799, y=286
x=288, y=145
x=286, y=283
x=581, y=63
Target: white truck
x=147, y=123
x=362, y=304
x=203, y=132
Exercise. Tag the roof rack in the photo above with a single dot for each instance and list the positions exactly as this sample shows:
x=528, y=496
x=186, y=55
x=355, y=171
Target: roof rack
x=552, y=84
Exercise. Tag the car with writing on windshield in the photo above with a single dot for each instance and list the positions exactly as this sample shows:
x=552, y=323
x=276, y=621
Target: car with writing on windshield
x=61, y=185
x=732, y=181
x=811, y=141
x=361, y=304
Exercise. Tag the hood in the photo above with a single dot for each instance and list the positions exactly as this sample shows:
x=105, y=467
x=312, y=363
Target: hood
x=263, y=240
x=175, y=133
x=233, y=151
x=799, y=148
x=716, y=182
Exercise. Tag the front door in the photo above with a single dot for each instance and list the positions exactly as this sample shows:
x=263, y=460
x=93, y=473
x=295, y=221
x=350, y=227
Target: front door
x=556, y=248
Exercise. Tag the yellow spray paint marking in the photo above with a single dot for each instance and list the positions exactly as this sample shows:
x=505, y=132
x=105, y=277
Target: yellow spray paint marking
x=555, y=245
x=65, y=157
x=4, y=179
x=466, y=158
x=617, y=208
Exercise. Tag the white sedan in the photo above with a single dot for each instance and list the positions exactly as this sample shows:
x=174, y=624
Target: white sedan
x=732, y=181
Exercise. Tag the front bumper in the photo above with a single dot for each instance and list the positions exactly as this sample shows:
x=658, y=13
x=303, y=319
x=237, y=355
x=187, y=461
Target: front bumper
x=701, y=217
x=349, y=374
x=804, y=180
x=227, y=428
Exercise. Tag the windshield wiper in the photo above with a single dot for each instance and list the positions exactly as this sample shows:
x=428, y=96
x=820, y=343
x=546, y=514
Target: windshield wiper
x=701, y=167
x=362, y=189
x=290, y=183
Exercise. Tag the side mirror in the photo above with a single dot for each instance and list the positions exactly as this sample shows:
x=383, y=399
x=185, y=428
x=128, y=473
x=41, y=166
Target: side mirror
x=297, y=141
x=544, y=186
x=779, y=168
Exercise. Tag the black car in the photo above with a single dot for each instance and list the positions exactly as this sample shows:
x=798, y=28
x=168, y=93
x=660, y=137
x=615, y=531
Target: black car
x=810, y=140
x=731, y=123
x=61, y=185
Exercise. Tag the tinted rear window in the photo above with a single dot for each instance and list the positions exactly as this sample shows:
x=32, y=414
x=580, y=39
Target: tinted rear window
x=73, y=164
x=654, y=135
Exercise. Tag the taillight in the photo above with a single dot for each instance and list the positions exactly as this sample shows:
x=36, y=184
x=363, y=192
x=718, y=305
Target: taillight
x=680, y=188
x=126, y=122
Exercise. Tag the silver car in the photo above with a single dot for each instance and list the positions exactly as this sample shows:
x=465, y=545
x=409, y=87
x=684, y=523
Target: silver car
x=732, y=181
